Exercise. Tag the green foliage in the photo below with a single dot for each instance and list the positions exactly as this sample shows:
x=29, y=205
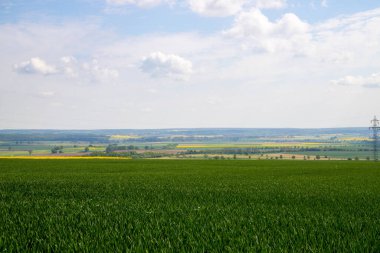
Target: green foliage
x=57, y=149
x=189, y=206
x=114, y=147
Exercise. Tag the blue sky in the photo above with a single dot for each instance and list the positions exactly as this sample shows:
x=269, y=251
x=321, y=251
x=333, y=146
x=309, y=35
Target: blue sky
x=188, y=63
x=131, y=19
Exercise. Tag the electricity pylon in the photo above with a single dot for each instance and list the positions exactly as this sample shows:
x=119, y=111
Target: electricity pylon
x=375, y=128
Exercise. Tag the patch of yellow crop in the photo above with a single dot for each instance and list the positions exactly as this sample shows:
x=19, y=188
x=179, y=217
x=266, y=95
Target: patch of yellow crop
x=124, y=137
x=65, y=157
x=355, y=139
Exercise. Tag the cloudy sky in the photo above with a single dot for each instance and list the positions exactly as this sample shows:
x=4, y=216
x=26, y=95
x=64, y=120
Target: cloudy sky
x=81, y=64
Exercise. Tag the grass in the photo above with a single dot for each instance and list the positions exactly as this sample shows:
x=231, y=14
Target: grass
x=189, y=206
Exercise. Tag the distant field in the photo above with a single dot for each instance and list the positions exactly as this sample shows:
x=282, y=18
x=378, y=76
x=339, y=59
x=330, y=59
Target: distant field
x=255, y=145
x=189, y=206
x=340, y=154
x=269, y=145
x=37, y=149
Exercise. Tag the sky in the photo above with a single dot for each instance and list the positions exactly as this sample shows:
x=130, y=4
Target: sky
x=122, y=64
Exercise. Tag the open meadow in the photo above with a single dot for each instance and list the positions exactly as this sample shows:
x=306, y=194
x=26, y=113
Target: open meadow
x=189, y=206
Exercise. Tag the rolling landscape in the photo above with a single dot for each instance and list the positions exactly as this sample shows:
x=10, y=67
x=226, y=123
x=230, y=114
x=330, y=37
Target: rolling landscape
x=189, y=126
x=191, y=190
x=300, y=144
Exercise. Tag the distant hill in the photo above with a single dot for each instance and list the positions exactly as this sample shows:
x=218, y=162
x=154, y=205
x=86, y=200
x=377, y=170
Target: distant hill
x=103, y=135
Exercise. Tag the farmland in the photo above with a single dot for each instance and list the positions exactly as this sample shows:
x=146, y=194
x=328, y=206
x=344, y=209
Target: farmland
x=300, y=144
x=189, y=205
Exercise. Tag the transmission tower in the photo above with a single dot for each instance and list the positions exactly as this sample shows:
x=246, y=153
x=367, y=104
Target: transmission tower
x=375, y=128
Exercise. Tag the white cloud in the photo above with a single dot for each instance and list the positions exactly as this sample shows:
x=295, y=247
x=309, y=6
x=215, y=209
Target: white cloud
x=222, y=8
x=353, y=39
x=229, y=82
x=324, y=3
x=140, y=3
x=255, y=30
x=270, y=4
x=217, y=8
x=88, y=71
x=70, y=67
x=167, y=65
x=210, y=8
x=372, y=81
x=35, y=66
x=98, y=73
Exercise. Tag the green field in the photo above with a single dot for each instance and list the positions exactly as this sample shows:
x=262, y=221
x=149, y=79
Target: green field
x=189, y=206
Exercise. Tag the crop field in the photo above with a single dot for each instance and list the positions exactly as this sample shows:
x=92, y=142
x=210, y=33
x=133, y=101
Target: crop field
x=189, y=206
x=43, y=150
x=257, y=145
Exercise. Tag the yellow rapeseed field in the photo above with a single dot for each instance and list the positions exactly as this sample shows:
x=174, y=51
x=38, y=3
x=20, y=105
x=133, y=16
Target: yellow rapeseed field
x=123, y=137
x=355, y=139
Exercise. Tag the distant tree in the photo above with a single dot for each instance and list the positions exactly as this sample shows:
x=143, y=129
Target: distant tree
x=317, y=157
x=249, y=157
x=57, y=149
x=368, y=158
x=293, y=157
x=30, y=152
x=281, y=156
x=356, y=158
x=205, y=156
x=110, y=148
x=234, y=156
x=146, y=147
x=86, y=149
x=349, y=159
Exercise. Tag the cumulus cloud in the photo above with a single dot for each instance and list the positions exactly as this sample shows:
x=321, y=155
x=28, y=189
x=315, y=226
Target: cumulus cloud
x=35, y=66
x=70, y=67
x=218, y=8
x=210, y=8
x=140, y=3
x=222, y=8
x=167, y=65
x=91, y=71
x=372, y=81
x=271, y=4
x=255, y=30
x=100, y=73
